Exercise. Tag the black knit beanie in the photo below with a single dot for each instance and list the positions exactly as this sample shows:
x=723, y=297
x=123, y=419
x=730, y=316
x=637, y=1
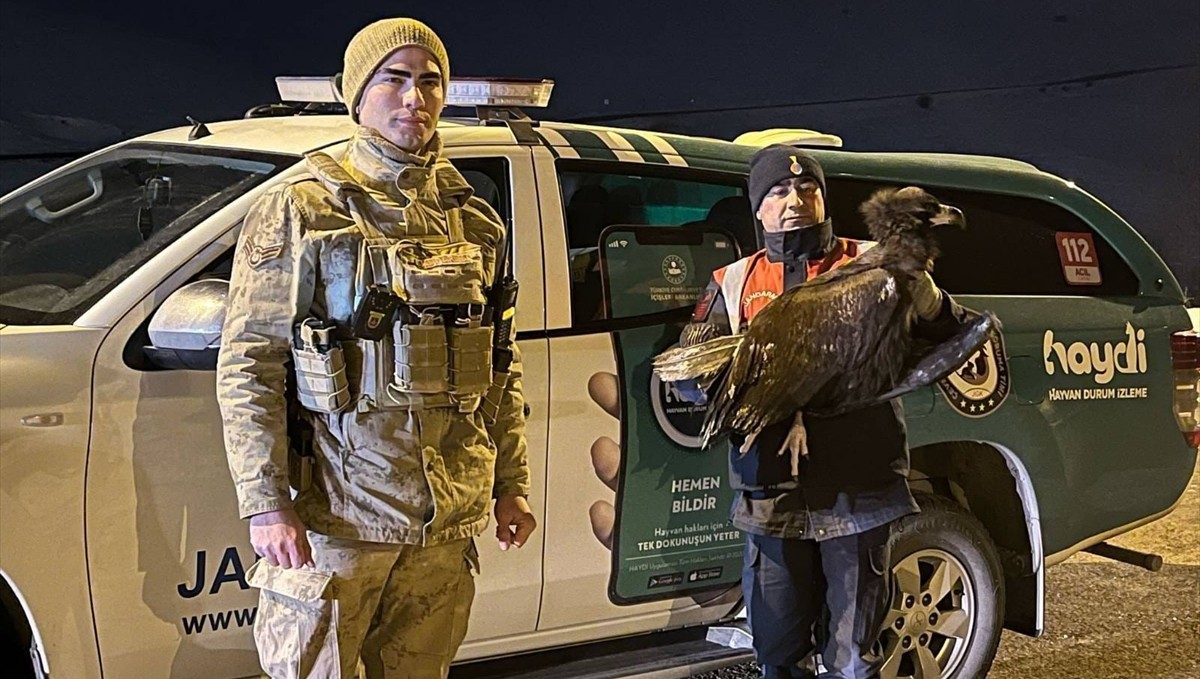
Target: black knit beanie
x=777, y=162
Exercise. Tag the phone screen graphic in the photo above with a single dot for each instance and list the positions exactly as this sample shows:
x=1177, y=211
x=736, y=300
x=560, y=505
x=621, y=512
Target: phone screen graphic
x=672, y=532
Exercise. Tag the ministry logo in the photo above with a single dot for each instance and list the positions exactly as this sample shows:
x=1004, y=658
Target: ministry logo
x=674, y=269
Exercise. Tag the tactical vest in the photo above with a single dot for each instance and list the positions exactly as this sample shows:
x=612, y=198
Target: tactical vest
x=418, y=337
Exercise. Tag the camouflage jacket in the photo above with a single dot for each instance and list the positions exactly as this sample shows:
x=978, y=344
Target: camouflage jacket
x=400, y=476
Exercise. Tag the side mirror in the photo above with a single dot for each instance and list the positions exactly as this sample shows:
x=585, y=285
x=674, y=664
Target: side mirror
x=185, y=332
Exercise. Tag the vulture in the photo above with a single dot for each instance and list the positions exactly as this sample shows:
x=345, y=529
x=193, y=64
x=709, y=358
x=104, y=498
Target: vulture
x=838, y=342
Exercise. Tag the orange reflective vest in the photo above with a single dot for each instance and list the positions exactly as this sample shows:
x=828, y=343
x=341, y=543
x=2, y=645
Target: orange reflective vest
x=755, y=280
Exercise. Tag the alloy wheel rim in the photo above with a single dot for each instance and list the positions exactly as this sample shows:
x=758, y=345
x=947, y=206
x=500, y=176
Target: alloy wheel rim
x=931, y=619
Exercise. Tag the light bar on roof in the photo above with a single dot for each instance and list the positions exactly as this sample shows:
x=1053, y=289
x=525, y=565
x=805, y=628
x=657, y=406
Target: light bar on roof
x=463, y=91
x=307, y=88
x=499, y=92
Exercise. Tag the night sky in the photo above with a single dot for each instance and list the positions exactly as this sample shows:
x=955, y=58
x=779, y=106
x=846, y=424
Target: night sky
x=1106, y=94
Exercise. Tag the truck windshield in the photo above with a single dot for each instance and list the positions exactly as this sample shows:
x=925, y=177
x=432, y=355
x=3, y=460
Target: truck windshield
x=65, y=242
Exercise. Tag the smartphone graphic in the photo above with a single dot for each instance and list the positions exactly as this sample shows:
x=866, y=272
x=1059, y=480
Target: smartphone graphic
x=672, y=535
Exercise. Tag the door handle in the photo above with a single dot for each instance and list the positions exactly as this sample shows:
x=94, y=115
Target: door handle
x=42, y=420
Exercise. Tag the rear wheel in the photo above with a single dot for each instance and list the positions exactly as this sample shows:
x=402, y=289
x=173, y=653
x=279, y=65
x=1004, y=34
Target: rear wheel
x=947, y=607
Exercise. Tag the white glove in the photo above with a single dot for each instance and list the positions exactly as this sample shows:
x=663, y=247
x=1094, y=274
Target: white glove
x=926, y=296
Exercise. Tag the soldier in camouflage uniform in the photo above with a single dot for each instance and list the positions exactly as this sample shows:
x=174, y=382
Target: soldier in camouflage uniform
x=374, y=557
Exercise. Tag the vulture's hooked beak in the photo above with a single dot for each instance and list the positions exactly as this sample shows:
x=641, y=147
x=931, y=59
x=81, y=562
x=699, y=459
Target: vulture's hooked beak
x=948, y=215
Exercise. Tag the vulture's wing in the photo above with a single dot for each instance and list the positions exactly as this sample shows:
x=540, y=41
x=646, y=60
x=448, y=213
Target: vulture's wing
x=698, y=361
x=938, y=362
x=796, y=344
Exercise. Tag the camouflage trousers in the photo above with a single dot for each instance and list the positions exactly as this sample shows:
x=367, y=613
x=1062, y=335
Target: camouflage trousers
x=402, y=608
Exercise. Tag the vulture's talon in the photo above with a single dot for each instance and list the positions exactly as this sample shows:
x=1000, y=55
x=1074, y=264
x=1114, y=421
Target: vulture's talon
x=796, y=443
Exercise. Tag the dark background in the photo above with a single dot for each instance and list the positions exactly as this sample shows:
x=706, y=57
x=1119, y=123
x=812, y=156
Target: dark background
x=1103, y=93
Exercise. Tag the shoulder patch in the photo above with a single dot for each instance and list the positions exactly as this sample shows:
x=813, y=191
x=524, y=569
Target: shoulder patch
x=257, y=255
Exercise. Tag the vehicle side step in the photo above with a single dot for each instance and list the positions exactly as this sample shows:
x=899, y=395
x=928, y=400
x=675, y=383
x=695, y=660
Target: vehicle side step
x=662, y=655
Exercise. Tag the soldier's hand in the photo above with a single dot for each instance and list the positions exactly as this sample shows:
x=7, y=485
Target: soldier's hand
x=281, y=538
x=514, y=521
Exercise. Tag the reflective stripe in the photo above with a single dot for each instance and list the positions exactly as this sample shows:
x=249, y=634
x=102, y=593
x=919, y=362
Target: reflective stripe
x=644, y=147
x=664, y=147
x=546, y=143
x=620, y=146
x=732, y=284
x=561, y=146
x=588, y=144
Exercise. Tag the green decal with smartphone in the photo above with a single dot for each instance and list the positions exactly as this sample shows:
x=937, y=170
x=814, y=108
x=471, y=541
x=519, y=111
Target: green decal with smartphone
x=672, y=531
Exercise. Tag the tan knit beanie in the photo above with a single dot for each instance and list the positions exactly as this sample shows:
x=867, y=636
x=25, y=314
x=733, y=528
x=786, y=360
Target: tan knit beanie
x=375, y=43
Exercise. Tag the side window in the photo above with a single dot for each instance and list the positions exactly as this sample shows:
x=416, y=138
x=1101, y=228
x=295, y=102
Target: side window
x=66, y=242
x=599, y=197
x=1008, y=248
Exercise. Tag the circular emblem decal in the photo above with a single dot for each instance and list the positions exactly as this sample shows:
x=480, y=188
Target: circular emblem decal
x=981, y=384
x=679, y=418
x=674, y=269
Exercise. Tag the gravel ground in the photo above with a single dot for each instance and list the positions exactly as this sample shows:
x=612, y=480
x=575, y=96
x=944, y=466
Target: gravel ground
x=1108, y=620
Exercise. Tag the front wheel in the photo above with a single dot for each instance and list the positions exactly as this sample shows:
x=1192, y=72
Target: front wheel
x=947, y=607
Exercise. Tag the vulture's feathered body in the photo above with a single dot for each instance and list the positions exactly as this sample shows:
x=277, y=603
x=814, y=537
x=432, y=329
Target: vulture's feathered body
x=838, y=342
